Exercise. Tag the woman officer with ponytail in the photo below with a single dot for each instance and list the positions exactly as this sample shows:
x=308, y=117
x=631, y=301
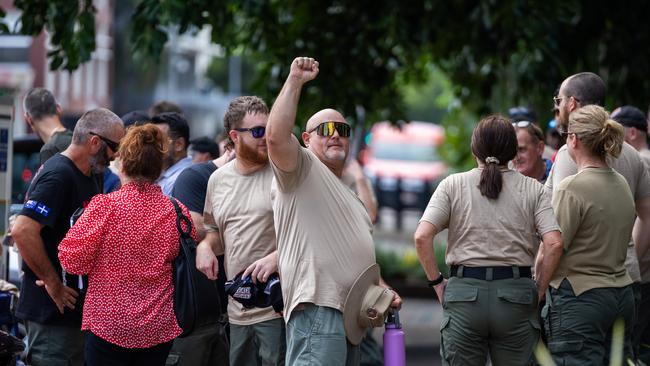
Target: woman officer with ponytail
x=591, y=288
x=495, y=218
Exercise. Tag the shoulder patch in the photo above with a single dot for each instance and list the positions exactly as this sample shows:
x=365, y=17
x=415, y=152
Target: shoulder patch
x=38, y=207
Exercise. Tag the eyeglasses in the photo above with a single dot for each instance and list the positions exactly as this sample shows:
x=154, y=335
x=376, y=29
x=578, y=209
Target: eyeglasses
x=565, y=135
x=558, y=100
x=110, y=143
x=328, y=128
x=257, y=131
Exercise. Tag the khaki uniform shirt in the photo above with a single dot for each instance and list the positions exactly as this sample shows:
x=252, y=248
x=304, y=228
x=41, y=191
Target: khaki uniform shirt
x=239, y=208
x=324, y=235
x=595, y=210
x=630, y=166
x=486, y=232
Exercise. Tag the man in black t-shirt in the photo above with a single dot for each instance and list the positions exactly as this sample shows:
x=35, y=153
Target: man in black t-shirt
x=51, y=300
x=207, y=345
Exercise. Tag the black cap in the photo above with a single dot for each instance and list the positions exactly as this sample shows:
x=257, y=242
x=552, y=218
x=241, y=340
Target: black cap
x=205, y=145
x=522, y=113
x=630, y=116
x=261, y=295
x=134, y=117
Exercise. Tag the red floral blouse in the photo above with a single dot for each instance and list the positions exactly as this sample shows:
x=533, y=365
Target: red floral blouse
x=126, y=242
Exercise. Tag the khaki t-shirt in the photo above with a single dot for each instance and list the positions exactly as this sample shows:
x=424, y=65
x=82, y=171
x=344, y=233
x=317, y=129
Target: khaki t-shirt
x=644, y=263
x=630, y=166
x=645, y=156
x=595, y=210
x=239, y=208
x=324, y=235
x=487, y=232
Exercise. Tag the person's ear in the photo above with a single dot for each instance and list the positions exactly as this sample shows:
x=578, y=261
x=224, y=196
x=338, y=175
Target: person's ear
x=632, y=133
x=29, y=120
x=572, y=141
x=180, y=144
x=540, y=147
x=233, y=135
x=306, y=136
x=95, y=144
x=59, y=110
x=573, y=104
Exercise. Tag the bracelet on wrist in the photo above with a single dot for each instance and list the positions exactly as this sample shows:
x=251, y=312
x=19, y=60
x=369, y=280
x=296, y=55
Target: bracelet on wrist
x=437, y=281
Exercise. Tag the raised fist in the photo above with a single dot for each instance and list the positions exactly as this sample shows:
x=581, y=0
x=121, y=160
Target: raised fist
x=304, y=69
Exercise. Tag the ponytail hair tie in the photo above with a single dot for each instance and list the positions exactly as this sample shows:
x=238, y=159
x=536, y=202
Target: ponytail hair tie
x=492, y=160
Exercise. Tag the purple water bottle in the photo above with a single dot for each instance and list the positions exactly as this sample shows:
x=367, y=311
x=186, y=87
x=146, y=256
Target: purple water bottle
x=394, y=347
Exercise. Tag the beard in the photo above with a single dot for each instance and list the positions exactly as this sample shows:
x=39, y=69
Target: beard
x=99, y=162
x=251, y=154
x=336, y=155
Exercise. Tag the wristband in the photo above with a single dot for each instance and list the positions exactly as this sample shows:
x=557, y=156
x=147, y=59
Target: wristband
x=436, y=282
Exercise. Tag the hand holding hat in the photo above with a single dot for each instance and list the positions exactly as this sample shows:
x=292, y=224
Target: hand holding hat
x=261, y=294
x=261, y=269
x=367, y=304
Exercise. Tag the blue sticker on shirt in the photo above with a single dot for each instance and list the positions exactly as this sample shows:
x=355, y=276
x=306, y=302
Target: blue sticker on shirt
x=38, y=207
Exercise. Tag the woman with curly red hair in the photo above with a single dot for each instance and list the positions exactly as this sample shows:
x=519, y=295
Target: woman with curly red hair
x=126, y=242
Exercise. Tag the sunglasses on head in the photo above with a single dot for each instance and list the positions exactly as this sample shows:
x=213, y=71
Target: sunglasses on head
x=328, y=128
x=110, y=143
x=257, y=131
x=532, y=129
x=522, y=124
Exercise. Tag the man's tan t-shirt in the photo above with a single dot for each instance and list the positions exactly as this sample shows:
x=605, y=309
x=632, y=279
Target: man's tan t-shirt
x=239, y=208
x=324, y=235
x=486, y=232
x=644, y=263
x=645, y=156
x=630, y=166
x=595, y=210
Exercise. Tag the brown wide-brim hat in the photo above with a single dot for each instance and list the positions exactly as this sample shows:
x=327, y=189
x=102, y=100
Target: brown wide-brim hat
x=366, y=305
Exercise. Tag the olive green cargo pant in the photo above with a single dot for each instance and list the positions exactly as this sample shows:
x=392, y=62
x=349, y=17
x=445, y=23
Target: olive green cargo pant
x=579, y=328
x=480, y=316
x=641, y=332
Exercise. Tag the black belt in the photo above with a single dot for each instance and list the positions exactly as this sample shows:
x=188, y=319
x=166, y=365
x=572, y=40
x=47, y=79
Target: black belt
x=490, y=273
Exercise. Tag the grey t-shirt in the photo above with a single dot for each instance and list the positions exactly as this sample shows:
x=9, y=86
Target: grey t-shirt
x=57, y=143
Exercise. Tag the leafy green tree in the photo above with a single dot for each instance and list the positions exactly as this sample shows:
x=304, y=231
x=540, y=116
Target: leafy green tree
x=71, y=25
x=495, y=53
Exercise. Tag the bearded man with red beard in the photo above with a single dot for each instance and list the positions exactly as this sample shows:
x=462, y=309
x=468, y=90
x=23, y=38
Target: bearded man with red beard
x=238, y=218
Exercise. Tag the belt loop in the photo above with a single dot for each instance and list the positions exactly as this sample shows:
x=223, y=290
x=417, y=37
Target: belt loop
x=459, y=273
x=515, y=272
x=489, y=274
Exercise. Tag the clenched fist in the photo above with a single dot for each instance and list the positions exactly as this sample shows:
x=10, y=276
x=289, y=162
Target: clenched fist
x=304, y=69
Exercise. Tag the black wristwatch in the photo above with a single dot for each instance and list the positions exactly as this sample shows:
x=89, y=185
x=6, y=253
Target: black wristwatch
x=436, y=282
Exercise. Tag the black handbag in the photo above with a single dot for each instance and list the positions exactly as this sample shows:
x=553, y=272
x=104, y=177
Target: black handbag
x=196, y=299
